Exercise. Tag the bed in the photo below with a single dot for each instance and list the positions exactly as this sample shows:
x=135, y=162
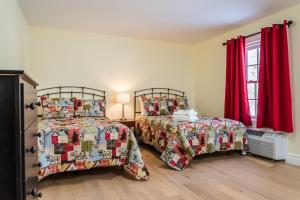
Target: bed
x=180, y=141
x=84, y=141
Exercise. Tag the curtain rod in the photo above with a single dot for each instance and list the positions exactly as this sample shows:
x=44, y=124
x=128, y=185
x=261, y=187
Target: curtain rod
x=289, y=23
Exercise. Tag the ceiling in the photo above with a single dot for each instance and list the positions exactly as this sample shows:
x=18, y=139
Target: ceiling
x=182, y=21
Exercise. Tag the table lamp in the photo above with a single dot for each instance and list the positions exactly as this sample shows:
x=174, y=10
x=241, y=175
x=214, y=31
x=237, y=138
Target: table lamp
x=123, y=98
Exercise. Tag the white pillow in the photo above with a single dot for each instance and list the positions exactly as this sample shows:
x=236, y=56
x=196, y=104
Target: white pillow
x=142, y=108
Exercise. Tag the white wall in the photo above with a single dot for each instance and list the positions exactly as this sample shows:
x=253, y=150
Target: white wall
x=63, y=57
x=13, y=36
x=210, y=70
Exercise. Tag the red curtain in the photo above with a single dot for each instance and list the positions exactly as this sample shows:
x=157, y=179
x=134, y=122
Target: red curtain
x=236, y=96
x=274, y=90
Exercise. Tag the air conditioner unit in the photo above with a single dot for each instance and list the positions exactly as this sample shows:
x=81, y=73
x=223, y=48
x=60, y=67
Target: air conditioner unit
x=267, y=144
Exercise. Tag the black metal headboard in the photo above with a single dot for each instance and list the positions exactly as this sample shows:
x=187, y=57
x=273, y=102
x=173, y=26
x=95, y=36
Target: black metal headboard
x=160, y=92
x=72, y=91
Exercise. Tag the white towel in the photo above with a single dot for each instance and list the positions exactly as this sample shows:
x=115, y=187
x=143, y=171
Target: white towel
x=187, y=119
x=185, y=115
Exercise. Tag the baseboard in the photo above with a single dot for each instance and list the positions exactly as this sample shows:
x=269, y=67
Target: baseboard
x=293, y=159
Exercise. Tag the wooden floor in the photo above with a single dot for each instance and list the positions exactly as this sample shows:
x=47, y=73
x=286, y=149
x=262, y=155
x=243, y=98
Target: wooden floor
x=218, y=177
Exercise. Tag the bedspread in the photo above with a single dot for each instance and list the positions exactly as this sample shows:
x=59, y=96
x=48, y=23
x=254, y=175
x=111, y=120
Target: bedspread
x=179, y=142
x=85, y=143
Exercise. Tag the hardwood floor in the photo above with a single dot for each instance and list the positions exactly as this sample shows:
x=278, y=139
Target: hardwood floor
x=219, y=177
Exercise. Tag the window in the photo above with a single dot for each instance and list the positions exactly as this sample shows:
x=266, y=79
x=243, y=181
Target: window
x=252, y=61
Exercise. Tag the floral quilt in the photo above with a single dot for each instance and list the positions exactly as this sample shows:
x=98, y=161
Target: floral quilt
x=85, y=143
x=180, y=142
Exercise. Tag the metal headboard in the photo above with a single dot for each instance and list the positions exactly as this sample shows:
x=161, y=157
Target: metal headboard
x=160, y=92
x=71, y=91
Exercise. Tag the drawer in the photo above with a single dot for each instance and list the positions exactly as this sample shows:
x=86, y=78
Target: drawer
x=30, y=106
x=31, y=171
x=31, y=190
x=31, y=150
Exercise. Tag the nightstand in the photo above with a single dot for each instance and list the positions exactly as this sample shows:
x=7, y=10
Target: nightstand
x=130, y=123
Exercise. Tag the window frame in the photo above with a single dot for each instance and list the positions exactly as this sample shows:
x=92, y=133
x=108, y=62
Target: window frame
x=255, y=44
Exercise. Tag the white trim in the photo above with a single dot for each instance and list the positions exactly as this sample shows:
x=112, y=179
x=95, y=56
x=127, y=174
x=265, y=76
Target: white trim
x=293, y=159
x=253, y=45
x=253, y=42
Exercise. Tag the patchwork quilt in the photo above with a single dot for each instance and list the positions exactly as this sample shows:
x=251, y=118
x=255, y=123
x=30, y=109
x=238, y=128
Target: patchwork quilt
x=85, y=143
x=179, y=142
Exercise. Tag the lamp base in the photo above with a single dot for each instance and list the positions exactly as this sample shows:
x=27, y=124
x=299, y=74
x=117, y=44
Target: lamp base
x=123, y=116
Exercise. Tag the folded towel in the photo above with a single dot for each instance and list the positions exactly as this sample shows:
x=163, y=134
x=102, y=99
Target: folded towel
x=185, y=117
x=193, y=119
x=185, y=113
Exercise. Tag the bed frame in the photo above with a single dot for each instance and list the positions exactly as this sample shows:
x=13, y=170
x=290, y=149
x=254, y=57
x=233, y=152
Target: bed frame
x=155, y=92
x=72, y=91
x=169, y=93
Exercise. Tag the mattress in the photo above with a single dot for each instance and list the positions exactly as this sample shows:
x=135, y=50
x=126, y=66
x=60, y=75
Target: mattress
x=85, y=143
x=180, y=141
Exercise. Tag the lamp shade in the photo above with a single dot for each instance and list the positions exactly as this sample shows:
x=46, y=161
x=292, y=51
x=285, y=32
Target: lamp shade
x=123, y=97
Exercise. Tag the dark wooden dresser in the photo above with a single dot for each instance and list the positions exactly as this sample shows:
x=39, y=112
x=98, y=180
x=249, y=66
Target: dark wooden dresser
x=18, y=137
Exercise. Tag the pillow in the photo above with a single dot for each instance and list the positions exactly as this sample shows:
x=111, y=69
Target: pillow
x=143, y=112
x=57, y=107
x=163, y=106
x=182, y=103
x=155, y=106
x=90, y=108
x=151, y=106
x=178, y=103
x=172, y=105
